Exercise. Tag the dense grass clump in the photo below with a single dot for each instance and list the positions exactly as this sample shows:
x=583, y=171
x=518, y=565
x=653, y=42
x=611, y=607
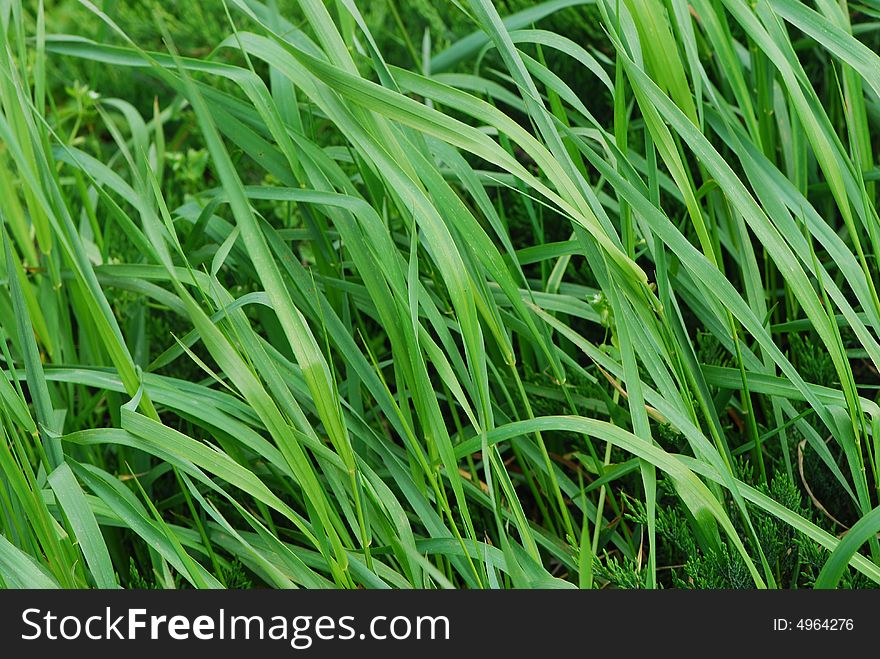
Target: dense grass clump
x=575, y=293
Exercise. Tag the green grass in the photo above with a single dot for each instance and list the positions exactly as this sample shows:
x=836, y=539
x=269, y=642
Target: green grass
x=556, y=294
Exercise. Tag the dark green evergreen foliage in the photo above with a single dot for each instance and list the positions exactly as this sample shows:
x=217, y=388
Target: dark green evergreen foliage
x=812, y=360
x=619, y=572
x=793, y=557
x=716, y=568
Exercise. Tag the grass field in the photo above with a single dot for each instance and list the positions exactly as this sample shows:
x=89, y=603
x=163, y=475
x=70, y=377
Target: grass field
x=439, y=294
